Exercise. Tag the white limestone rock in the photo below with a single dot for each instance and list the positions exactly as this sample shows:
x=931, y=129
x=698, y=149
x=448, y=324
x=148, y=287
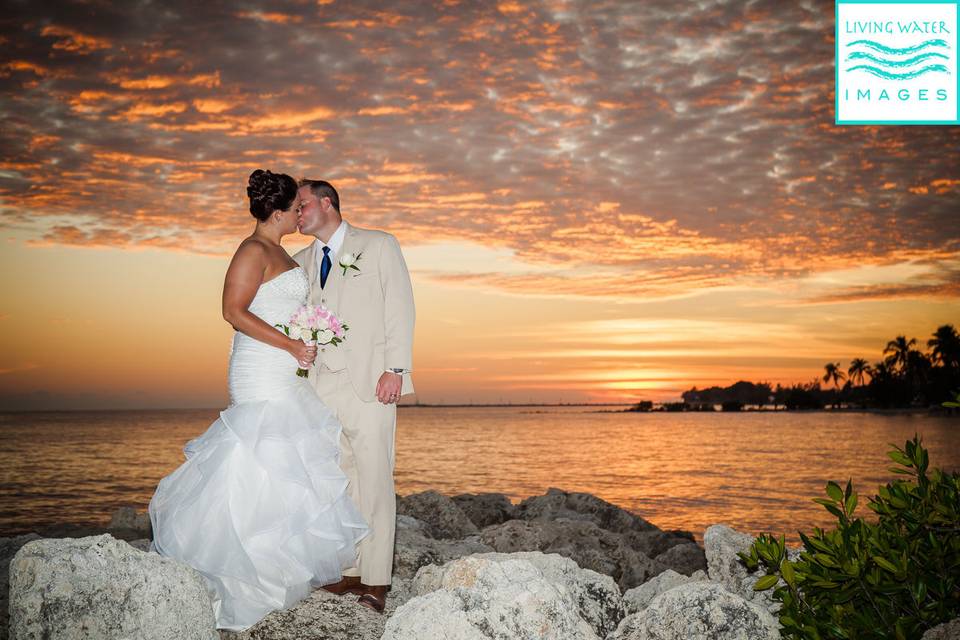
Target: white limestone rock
x=8, y=548
x=637, y=599
x=441, y=615
x=721, y=544
x=946, y=631
x=699, y=609
x=100, y=587
x=597, y=596
x=476, y=598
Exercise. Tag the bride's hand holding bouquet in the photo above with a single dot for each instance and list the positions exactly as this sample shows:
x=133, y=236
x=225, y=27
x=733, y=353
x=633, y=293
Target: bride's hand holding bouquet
x=309, y=326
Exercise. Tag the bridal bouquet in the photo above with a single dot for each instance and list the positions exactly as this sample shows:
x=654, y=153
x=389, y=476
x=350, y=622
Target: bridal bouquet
x=314, y=325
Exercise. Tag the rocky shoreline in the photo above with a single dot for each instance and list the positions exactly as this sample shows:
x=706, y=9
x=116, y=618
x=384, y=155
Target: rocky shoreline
x=563, y=565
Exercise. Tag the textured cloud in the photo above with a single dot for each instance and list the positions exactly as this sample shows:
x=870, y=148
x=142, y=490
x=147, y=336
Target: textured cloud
x=659, y=147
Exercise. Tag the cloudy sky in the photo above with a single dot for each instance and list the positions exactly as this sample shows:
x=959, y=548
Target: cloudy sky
x=597, y=200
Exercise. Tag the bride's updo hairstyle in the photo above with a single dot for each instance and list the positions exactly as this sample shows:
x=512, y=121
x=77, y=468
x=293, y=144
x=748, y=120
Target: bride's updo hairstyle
x=269, y=192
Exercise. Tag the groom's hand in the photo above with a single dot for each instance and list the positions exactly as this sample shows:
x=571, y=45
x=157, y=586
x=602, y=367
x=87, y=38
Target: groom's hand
x=388, y=387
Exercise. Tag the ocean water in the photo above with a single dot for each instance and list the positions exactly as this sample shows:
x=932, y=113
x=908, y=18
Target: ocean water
x=756, y=471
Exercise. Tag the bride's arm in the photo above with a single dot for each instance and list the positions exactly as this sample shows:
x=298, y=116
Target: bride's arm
x=244, y=277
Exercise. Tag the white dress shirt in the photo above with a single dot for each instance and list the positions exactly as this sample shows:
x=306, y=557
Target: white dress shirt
x=335, y=243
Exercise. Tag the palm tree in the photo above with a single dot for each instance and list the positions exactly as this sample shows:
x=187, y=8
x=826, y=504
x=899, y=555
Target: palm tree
x=918, y=367
x=945, y=346
x=899, y=352
x=880, y=371
x=833, y=372
x=858, y=368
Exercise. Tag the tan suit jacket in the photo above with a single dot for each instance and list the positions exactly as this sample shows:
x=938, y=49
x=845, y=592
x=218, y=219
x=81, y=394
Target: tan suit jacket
x=375, y=302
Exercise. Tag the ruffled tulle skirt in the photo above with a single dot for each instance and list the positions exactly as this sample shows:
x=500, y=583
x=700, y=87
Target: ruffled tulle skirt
x=260, y=507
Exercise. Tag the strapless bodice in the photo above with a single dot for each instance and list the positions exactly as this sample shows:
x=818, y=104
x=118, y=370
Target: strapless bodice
x=258, y=370
x=279, y=297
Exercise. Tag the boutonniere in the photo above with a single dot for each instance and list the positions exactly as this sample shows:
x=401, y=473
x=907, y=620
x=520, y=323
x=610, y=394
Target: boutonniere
x=349, y=261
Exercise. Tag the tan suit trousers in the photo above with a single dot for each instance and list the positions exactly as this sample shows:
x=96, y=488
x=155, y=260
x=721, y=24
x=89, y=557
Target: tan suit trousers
x=367, y=458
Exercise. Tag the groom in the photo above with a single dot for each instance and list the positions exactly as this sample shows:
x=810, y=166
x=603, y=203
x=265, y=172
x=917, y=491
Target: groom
x=360, y=275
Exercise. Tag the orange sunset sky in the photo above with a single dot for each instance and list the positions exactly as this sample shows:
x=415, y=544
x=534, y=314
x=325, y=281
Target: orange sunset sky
x=598, y=201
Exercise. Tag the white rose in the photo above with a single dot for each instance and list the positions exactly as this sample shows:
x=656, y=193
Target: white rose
x=348, y=259
x=306, y=334
x=325, y=336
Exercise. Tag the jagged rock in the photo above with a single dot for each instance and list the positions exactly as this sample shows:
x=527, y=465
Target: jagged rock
x=599, y=536
x=143, y=544
x=414, y=548
x=721, y=544
x=518, y=535
x=654, y=542
x=946, y=631
x=9, y=547
x=485, y=509
x=686, y=558
x=597, y=597
x=637, y=599
x=635, y=567
x=401, y=590
x=325, y=615
x=557, y=504
x=443, y=515
x=409, y=523
x=100, y=587
x=482, y=599
x=441, y=615
x=582, y=541
x=699, y=609
x=128, y=521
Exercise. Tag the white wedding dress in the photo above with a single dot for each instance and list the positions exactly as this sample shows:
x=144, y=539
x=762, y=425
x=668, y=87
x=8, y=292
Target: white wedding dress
x=260, y=506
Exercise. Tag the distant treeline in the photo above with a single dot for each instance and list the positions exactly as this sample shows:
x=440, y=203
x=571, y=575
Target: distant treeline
x=904, y=377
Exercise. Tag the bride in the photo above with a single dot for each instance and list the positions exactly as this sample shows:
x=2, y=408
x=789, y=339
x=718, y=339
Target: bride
x=260, y=507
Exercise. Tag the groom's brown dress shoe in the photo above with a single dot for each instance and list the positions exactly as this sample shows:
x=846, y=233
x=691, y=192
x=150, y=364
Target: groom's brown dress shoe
x=346, y=584
x=374, y=598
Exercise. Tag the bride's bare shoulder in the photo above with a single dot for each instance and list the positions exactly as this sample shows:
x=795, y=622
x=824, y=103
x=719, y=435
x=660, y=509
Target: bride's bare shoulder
x=253, y=245
x=251, y=250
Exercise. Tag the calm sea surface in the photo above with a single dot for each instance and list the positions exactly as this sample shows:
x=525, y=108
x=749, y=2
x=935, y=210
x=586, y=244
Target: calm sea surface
x=755, y=471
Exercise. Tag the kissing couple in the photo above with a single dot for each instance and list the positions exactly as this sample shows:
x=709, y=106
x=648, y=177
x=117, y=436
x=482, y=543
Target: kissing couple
x=291, y=488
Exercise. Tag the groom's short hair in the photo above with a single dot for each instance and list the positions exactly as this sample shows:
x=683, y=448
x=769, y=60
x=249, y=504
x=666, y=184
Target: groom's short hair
x=322, y=189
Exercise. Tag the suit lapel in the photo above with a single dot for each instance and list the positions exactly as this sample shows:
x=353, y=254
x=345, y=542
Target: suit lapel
x=310, y=267
x=310, y=262
x=350, y=242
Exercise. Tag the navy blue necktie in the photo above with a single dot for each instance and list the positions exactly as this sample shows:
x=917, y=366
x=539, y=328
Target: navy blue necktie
x=325, y=265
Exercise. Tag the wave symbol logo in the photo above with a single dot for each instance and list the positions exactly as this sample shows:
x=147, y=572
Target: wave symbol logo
x=885, y=63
